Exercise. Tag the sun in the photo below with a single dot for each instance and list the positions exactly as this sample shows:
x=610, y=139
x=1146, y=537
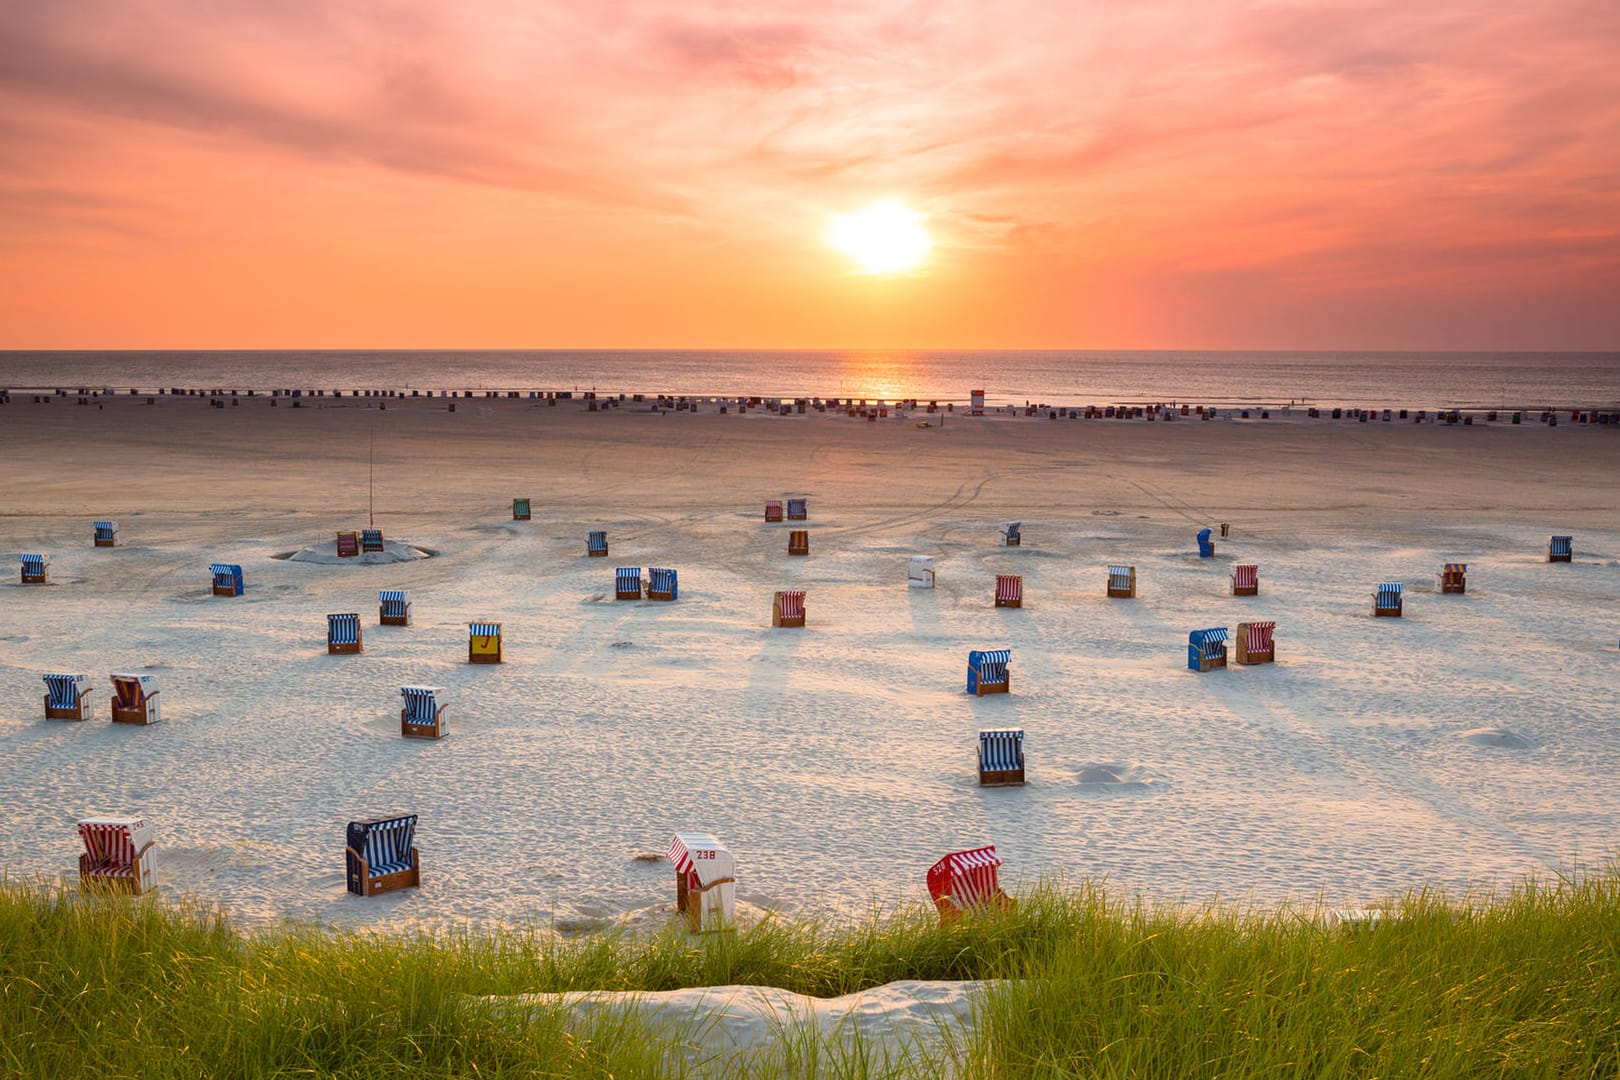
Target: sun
x=885, y=238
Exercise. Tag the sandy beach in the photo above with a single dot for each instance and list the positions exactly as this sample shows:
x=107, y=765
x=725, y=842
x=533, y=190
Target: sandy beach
x=1464, y=745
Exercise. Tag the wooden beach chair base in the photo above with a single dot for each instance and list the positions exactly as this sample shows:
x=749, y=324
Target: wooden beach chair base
x=993, y=688
x=411, y=730
x=474, y=657
x=35, y=579
x=651, y=595
x=394, y=620
x=1210, y=663
x=130, y=716
x=1386, y=613
x=602, y=554
x=1560, y=558
x=1245, y=590
x=131, y=883
x=1244, y=656
x=106, y=543
x=1459, y=588
x=627, y=594
x=76, y=712
x=348, y=648
x=224, y=590
x=1015, y=601
x=1001, y=777
x=386, y=883
x=1122, y=594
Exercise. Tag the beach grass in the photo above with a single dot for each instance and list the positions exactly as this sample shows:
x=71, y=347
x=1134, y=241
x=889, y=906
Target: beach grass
x=1524, y=983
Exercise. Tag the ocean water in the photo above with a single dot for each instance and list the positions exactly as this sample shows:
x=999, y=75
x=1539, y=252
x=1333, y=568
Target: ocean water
x=1372, y=379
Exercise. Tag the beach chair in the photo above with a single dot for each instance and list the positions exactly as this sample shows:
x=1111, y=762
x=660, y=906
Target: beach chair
x=343, y=633
x=799, y=542
x=798, y=510
x=661, y=584
x=520, y=509
x=1561, y=549
x=787, y=608
x=381, y=855
x=1387, y=600
x=135, y=699
x=1254, y=643
x=920, y=572
x=67, y=697
x=423, y=714
x=484, y=643
x=773, y=510
x=106, y=533
x=1245, y=580
x=1001, y=757
x=1122, y=582
x=118, y=854
x=987, y=671
x=371, y=540
x=348, y=544
x=627, y=583
x=1011, y=534
x=1205, y=547
x=705, y=881
x=392, y=608
x=36, y=569
x=965, y=882
x=1009, y=590
x=1454, y=578
x=227, y=579
x=596, y=545
x=1206, y=649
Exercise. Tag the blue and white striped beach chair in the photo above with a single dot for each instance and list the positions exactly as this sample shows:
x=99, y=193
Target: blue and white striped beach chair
x=392, y=608
x=371, y=540
x=596, y=545
x=423, y=715
x=36, y=568
x=343, y=633
x=227, y=579
x=484, y=643
x=1122, y=582
x=1001, y=757
x=520, y=510
x=381, y=855
x=1387, y=599
x=1561, y=549
x=661, y=583
x=798, y=510
x=627, y=583
x=1205, y=547
x=1012, y=534
x=988, y=671
x=106, y=533
x=68, y=698
x=1206, y=649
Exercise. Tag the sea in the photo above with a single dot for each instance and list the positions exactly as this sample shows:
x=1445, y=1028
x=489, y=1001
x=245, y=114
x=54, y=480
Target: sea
x=1451, y=380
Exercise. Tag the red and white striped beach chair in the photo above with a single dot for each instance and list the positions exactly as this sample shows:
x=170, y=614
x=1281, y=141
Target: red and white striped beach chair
x=965, y=881
x=1009, y=590
x=705, y=881
x=1254, y=643
x=787, y=608
x=1245, y=580
x=117, y=853
x=773, y=510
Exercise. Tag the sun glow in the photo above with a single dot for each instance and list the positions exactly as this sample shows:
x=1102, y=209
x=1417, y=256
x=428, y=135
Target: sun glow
x=885, y=238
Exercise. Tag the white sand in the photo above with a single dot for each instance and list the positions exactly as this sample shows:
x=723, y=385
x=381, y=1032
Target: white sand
x=1469, y=743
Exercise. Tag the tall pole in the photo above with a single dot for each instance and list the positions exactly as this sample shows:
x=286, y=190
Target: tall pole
x=371, y=477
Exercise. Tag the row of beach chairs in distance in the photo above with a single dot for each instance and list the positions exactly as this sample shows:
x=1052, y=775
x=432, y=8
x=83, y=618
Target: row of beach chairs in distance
x=381, y=856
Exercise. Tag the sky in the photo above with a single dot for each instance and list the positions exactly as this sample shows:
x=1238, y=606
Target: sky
x=1381, y=174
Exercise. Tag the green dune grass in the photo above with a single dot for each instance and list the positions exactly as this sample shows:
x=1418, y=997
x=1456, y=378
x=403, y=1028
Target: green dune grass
x=1520, y=984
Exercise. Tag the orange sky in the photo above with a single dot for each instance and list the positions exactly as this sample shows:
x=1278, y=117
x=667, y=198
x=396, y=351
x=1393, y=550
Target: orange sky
x=545, y=174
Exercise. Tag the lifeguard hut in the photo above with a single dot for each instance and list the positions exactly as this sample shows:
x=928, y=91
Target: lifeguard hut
x=627, y=583
x=1121, y=582
x=484, y=643
x=343, y=633
x=371, y=540
x=1009, y=590
x=348, y=544
x=67, y=697
x=1454, y=578
x=965, y=882
x=392, y=608
x=227, y=579
x=520, y=509
x=988, y=671
x=1206, y=649
x=1387, y=600
x=1206, y=547
x=135, y=699
x=1245, y=580
x=381, y=855
x=773, y=510
x=1001, y=757
x=920, y=572
x=799, y=542
x=798, y=510
x=106, y=533
x=661, y=584
x=1255, y=644
x=1560, y=549
x=118, y=854
x=596, y=545
x=422, y=716
x=1011, y=534
x=787, y=608
x=36, y=568
x=705, y=881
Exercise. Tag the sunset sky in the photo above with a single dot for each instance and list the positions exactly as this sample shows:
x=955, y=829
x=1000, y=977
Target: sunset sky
x=551, y=174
